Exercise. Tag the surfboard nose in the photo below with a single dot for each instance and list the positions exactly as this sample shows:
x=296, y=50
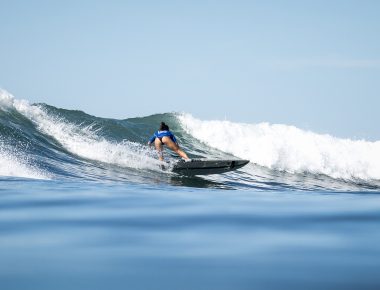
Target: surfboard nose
x=238, y=163
x=241, y=163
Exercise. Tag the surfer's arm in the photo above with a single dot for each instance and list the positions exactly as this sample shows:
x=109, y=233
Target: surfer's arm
x=151, y=140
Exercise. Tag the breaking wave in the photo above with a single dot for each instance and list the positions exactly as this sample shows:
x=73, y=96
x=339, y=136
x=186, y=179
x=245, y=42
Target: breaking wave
x=45, y=142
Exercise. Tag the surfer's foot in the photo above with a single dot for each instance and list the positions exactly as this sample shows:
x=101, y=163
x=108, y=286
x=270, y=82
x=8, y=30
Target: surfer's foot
x=187, y=160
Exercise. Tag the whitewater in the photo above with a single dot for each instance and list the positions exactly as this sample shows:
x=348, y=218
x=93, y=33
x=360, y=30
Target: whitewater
x=287, y=148
x=84, y=204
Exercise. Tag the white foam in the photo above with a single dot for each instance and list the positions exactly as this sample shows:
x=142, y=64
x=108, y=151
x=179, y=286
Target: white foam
x=15, y=164
x=288, y=148
x=83, y=141
x=12, y=162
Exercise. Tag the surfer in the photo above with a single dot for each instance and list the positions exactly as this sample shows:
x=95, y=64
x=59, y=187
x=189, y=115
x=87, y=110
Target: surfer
x=164, y=137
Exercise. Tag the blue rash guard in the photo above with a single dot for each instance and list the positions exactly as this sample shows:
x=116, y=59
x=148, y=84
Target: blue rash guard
x=160, y=134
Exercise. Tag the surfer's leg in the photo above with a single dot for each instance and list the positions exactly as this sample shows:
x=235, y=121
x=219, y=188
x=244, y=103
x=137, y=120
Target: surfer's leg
x=173, y=146
x=158, y=145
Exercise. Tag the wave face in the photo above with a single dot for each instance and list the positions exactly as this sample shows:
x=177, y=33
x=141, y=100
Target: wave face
x=44, y=142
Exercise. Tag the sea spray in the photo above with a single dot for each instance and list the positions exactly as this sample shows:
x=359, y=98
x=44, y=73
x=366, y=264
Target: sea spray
x=14, y=163
x=83, y=141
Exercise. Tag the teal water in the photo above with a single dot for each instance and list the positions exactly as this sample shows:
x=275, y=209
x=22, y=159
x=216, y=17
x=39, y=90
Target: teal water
x=84, y=204
x=65, y=235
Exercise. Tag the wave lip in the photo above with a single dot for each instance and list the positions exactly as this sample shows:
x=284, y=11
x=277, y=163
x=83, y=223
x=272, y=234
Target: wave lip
x=290, y=149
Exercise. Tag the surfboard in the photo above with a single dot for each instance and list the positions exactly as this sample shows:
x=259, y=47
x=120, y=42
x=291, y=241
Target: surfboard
x=205, y=166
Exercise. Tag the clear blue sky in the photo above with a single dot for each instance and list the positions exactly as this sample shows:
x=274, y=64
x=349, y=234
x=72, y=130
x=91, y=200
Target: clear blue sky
x=313, y=64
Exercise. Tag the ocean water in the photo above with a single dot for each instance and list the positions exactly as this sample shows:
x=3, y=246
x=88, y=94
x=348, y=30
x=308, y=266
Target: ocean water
x=84, y=204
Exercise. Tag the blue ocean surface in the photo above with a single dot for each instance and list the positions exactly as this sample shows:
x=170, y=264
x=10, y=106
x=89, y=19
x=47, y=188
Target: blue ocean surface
x=84, y=204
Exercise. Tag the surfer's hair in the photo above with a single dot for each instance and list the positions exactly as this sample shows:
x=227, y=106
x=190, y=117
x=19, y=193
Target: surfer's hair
x=164, y=127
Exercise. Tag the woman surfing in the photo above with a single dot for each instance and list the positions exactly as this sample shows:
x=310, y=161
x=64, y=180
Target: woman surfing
x=164, y=137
